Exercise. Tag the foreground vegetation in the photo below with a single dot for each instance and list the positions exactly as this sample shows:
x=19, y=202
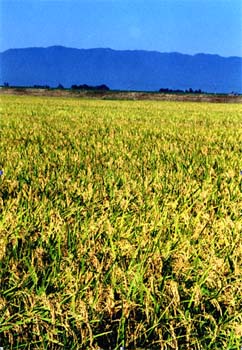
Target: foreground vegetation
x=120, y=224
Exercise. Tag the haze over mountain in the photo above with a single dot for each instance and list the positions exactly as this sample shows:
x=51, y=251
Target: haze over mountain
x=120, y=70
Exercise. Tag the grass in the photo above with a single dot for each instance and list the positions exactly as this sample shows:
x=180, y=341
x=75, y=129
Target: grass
x=120, y=224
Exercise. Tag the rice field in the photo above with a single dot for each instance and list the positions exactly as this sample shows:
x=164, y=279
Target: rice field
x=120, y=224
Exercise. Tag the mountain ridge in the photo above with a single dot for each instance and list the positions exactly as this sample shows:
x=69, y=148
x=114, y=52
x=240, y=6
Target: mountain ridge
x=119, y=50
x=139, y=70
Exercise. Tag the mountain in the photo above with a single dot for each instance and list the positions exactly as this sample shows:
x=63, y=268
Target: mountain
x=121, y=70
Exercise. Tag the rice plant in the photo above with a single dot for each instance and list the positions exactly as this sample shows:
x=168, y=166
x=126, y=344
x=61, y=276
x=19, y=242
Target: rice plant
x=120, y=224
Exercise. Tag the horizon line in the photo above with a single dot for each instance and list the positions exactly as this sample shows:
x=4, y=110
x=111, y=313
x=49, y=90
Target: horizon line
x=119, y=50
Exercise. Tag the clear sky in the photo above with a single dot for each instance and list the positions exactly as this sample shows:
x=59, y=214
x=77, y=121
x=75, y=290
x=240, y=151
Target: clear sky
x=187, y=26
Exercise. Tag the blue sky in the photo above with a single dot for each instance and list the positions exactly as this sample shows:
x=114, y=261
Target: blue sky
x=187, y=26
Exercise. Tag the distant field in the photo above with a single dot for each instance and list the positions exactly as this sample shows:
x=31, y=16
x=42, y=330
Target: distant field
x=123, y=95
x=120, y=224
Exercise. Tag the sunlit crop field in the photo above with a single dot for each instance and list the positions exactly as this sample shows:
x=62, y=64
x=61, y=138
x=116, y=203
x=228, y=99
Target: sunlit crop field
x=120, y=224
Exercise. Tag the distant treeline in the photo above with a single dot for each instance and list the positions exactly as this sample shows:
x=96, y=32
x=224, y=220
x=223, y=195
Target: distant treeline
x=103, y=87
x=85, y=87
x=189, y=91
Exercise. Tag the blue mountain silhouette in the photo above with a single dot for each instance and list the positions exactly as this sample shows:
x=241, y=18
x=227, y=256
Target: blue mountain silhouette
x=121, y=70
